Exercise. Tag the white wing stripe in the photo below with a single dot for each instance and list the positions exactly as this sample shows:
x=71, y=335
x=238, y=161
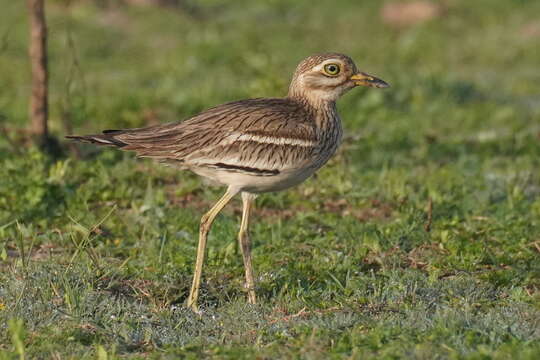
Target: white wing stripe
x=275, y=140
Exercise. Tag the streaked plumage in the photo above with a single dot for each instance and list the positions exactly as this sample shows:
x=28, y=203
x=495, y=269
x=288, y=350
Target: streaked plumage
x=255, y=145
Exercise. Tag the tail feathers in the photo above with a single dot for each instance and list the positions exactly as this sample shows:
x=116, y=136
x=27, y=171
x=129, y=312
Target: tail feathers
x=107, y=138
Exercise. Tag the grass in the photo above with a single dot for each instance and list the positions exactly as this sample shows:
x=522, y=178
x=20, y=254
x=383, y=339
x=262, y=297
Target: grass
x=96, y=253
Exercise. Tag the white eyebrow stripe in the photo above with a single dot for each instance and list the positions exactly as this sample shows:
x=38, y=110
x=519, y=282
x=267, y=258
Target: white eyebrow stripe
x=326, y=62
x=276, y=140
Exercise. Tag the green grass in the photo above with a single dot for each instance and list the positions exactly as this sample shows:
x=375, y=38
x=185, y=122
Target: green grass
x=96, y=253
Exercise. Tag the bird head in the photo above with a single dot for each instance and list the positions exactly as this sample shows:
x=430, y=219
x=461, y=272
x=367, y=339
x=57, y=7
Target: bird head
x=325, y=77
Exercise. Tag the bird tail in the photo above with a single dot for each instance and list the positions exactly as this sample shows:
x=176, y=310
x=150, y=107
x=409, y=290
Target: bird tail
x=108, y=138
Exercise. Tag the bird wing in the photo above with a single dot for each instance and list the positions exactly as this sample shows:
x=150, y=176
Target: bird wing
x=259, y=134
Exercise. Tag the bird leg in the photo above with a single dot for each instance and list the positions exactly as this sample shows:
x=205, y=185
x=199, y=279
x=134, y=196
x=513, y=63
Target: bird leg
x=245, y=245
x=206, y=222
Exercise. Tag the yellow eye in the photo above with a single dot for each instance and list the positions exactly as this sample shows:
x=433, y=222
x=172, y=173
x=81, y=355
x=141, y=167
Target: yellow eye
x=332, y=69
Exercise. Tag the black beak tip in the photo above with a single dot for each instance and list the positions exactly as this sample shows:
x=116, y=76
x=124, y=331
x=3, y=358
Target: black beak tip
x=382, y=84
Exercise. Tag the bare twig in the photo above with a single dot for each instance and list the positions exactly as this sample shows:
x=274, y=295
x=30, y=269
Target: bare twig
x=38, y=61
x=427, y=225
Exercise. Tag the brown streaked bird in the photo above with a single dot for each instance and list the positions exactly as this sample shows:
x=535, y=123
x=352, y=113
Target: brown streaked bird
x=253, y=146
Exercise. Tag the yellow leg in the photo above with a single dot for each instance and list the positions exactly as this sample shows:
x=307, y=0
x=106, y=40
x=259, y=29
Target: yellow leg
x=206, y=223
x=245, y=245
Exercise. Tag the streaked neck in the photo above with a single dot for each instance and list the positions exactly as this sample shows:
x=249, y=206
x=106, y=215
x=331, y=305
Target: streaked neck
x=324, y=111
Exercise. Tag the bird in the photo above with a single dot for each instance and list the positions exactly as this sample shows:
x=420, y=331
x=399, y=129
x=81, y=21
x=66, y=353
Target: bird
x=252, y=146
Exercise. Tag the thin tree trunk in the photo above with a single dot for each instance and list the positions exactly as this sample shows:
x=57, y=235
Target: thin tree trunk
x=38, y=61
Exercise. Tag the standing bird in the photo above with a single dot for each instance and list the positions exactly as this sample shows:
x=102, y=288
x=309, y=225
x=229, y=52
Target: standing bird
x=253, y=146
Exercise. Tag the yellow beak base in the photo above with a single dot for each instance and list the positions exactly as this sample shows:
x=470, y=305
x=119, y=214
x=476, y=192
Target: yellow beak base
x=363, y=79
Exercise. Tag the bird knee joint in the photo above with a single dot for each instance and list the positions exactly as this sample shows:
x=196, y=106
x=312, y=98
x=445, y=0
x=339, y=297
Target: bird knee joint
x=205, y=220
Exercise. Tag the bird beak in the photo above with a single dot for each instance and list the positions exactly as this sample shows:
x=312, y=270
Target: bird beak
x=364, y=79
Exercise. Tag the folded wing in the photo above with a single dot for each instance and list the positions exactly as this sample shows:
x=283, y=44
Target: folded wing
x=257, y=133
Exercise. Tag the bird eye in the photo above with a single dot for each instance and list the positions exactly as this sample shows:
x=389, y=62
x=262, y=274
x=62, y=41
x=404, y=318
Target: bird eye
x=331, y=69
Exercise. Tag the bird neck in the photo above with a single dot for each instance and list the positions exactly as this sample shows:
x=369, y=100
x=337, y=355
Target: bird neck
x=324, y=112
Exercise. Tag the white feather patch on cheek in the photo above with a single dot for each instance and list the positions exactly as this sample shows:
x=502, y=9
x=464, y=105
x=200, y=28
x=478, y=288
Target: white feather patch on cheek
x=318, y=80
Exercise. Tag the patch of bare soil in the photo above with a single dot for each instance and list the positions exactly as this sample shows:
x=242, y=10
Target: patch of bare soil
x=530, y=30
x=408, y=13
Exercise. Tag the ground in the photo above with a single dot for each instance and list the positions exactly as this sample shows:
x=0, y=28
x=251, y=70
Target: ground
x=97, y=248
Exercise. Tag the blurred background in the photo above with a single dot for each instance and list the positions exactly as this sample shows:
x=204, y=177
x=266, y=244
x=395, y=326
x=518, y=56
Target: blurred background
x=464, y=106
x=418, y=239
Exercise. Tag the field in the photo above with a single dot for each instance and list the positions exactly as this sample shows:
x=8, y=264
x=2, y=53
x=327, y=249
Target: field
x=97, y=248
